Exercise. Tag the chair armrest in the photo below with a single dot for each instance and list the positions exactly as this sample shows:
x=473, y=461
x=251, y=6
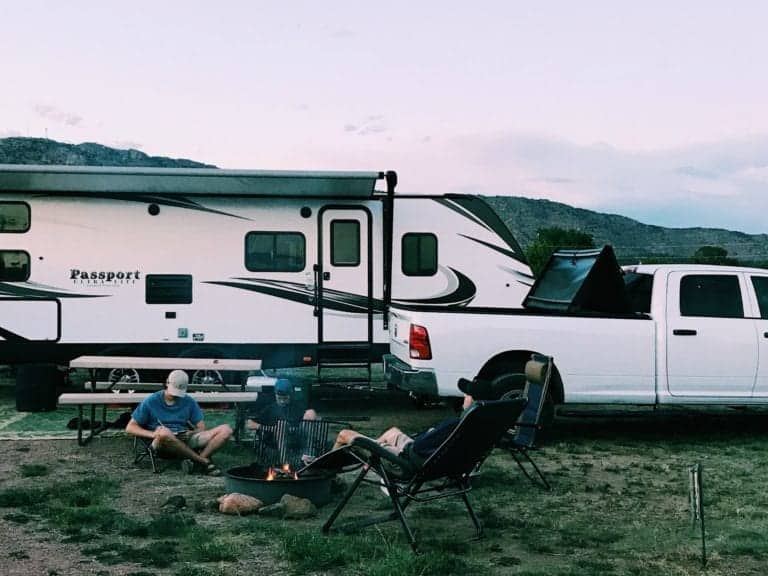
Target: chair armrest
x=369, y=445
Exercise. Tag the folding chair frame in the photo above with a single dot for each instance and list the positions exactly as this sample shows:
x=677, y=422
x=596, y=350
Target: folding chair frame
x=142, y=448
x=519, y=449
x=407, y=482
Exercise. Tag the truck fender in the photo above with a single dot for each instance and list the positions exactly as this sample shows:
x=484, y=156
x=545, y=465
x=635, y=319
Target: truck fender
x=507, y=369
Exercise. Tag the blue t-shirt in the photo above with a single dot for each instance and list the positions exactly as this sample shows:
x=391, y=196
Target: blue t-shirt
x=177, y=417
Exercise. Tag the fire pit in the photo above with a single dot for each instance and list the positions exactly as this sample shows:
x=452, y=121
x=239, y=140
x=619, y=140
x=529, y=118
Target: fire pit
x=270, y=485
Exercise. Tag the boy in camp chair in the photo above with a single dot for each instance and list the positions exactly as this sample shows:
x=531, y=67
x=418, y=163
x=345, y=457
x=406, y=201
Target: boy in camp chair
x=421, y=446
x=166, y=417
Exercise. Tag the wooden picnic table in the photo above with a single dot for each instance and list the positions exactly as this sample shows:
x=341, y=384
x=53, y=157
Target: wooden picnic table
x=105, y=399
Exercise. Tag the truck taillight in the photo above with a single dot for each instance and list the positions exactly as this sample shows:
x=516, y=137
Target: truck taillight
x=419, y=343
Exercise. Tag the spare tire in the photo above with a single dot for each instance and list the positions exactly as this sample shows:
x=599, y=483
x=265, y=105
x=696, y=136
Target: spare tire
x=36, y=386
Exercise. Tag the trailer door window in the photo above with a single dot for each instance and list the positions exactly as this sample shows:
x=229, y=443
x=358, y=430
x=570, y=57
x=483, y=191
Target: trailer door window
x=419, y=252
x=345, y=243
x=275, y=251
x=14, y=217
x=713, y=296
x=14, y=266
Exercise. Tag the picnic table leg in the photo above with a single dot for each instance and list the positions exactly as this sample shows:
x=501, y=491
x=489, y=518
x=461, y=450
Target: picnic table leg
x=80, y=425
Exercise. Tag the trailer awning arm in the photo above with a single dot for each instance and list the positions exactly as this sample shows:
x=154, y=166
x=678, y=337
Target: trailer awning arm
x=82, y=180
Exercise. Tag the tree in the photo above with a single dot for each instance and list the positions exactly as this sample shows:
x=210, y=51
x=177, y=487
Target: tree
x=549, y=240
x=712, y=255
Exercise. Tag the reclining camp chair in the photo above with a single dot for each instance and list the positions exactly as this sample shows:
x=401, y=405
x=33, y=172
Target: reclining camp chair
x=521, y=439
x=444, y=474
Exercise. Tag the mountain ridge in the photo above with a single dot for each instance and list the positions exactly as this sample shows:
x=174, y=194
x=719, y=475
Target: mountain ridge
x=632, y=240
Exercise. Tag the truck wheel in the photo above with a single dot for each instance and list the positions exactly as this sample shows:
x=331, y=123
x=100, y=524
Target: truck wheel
x=508, y=382
x=515, y=382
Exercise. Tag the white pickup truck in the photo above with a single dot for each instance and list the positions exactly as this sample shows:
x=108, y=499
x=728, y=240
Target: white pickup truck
x=646, y=334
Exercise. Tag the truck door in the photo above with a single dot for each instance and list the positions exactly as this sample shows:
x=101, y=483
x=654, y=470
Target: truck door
x=760, y=312
x=345, y=283
x=711, y=342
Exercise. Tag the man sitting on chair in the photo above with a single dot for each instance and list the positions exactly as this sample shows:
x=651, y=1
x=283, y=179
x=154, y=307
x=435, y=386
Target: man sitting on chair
x=174, y=423
x=421, y=446
x=285, y=407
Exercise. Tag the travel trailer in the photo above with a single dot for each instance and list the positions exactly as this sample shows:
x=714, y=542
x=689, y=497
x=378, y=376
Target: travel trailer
x=286, y=267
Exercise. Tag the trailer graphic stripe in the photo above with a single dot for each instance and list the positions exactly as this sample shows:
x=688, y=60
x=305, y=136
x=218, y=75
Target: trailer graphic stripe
x=175, y=201
x=504, y=251
x=462, y=295
x=26, y=291
x=11, y=336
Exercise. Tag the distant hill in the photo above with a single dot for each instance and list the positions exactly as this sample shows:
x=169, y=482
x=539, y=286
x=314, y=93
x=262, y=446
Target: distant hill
x=632, y=240
x=44, y=151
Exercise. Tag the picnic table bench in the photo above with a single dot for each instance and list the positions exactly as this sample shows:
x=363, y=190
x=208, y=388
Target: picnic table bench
x=115, y=398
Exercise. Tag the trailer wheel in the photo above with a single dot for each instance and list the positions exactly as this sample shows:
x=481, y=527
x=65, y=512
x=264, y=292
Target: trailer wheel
x=207, y=377
x=123, y=376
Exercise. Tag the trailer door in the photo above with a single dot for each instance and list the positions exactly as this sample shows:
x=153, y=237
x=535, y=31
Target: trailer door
x=345, y=275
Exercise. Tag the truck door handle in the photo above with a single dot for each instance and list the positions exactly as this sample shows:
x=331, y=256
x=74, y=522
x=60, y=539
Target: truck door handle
x=684, y=332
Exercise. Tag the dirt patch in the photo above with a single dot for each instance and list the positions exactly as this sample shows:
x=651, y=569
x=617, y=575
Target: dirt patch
x=31, y=545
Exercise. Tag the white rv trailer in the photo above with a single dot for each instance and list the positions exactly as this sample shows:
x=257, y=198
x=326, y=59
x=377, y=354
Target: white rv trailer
x=277, y=266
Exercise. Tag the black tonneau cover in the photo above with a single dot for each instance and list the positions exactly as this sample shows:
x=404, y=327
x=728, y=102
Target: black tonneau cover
x=580, y=281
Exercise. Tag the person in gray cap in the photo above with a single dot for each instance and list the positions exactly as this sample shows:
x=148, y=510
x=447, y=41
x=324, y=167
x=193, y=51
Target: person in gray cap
x=174, y=423
x=285, y=407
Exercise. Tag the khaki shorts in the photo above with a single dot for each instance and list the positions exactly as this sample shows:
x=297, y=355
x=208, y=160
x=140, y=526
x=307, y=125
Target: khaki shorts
x=195, y=440
x=396, y=443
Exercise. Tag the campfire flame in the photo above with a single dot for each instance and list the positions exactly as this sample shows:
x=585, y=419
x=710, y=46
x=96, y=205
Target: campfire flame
x=283, y=472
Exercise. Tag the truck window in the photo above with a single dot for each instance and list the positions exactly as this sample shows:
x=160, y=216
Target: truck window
x=419, y=254
x=14, y=216
x=275, y=251
x=761, y=290
x=14, y=266
x=715, y=296
x=345, y=243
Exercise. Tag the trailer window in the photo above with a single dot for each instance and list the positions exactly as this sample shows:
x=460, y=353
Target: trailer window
x=14, y=266
x=419, y=254
x=169, y=289
x=345, y=243
x=275, y=251
x=14, y=217
x=714, y=296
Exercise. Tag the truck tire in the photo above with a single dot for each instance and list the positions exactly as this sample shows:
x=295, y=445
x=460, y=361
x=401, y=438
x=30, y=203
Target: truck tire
x=36, y=387
x=514, y=381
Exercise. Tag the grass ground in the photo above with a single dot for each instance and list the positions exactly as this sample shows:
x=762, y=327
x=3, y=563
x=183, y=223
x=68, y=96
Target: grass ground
x=619, y=505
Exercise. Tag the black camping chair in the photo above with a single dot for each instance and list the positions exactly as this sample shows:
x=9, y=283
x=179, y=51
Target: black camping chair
x=142, y=448
x=521, y=439
x=444, y=474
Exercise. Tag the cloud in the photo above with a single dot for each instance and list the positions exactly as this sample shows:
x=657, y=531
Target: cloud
x=342, y=33
x=56, y=115
x=373, y=124
x=720, y=184
x=10, y=134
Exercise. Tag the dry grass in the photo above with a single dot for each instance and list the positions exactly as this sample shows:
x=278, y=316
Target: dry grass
x=619, y=505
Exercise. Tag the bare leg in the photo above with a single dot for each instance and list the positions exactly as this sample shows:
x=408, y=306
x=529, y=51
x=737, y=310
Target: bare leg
x=168, y=443
x=345, y=437
x=217, y=437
